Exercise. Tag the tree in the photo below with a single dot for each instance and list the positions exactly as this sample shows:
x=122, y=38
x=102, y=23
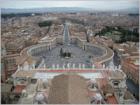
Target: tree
x=45, y=23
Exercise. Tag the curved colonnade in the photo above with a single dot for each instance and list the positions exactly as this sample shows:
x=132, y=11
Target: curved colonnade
x=32, y=52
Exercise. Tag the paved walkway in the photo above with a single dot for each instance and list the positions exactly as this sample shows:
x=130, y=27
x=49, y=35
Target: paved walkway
x=66, y=34
x=78, y=56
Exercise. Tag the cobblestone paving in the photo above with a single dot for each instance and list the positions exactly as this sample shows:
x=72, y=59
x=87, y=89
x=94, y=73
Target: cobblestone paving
x=78, y=57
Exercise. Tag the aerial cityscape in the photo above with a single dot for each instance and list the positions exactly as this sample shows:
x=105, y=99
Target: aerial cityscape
x=70, y=52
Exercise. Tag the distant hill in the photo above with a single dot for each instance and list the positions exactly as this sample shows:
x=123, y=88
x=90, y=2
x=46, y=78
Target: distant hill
x=65, y=9
x=126, y=10
x=43, y=10
x=131, y=10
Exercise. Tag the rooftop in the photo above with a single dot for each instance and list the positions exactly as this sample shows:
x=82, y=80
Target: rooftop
x=6, y=88
x=23, y=73
x=117, y=75
x=68, y=89
x=128, y=95
x=18, y=89
x=111, y=100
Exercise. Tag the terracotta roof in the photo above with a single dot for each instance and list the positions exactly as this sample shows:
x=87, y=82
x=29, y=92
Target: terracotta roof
x=18, y=89
x=131, y=61
x=111, y=100
x=68, y=89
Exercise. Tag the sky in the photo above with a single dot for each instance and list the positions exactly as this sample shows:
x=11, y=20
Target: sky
x=94, y=4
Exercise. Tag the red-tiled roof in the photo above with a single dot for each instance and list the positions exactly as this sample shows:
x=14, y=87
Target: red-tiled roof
x=112, y=100
x=18, y=89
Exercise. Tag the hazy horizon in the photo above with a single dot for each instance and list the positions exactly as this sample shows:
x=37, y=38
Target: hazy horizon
x=96, y=5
